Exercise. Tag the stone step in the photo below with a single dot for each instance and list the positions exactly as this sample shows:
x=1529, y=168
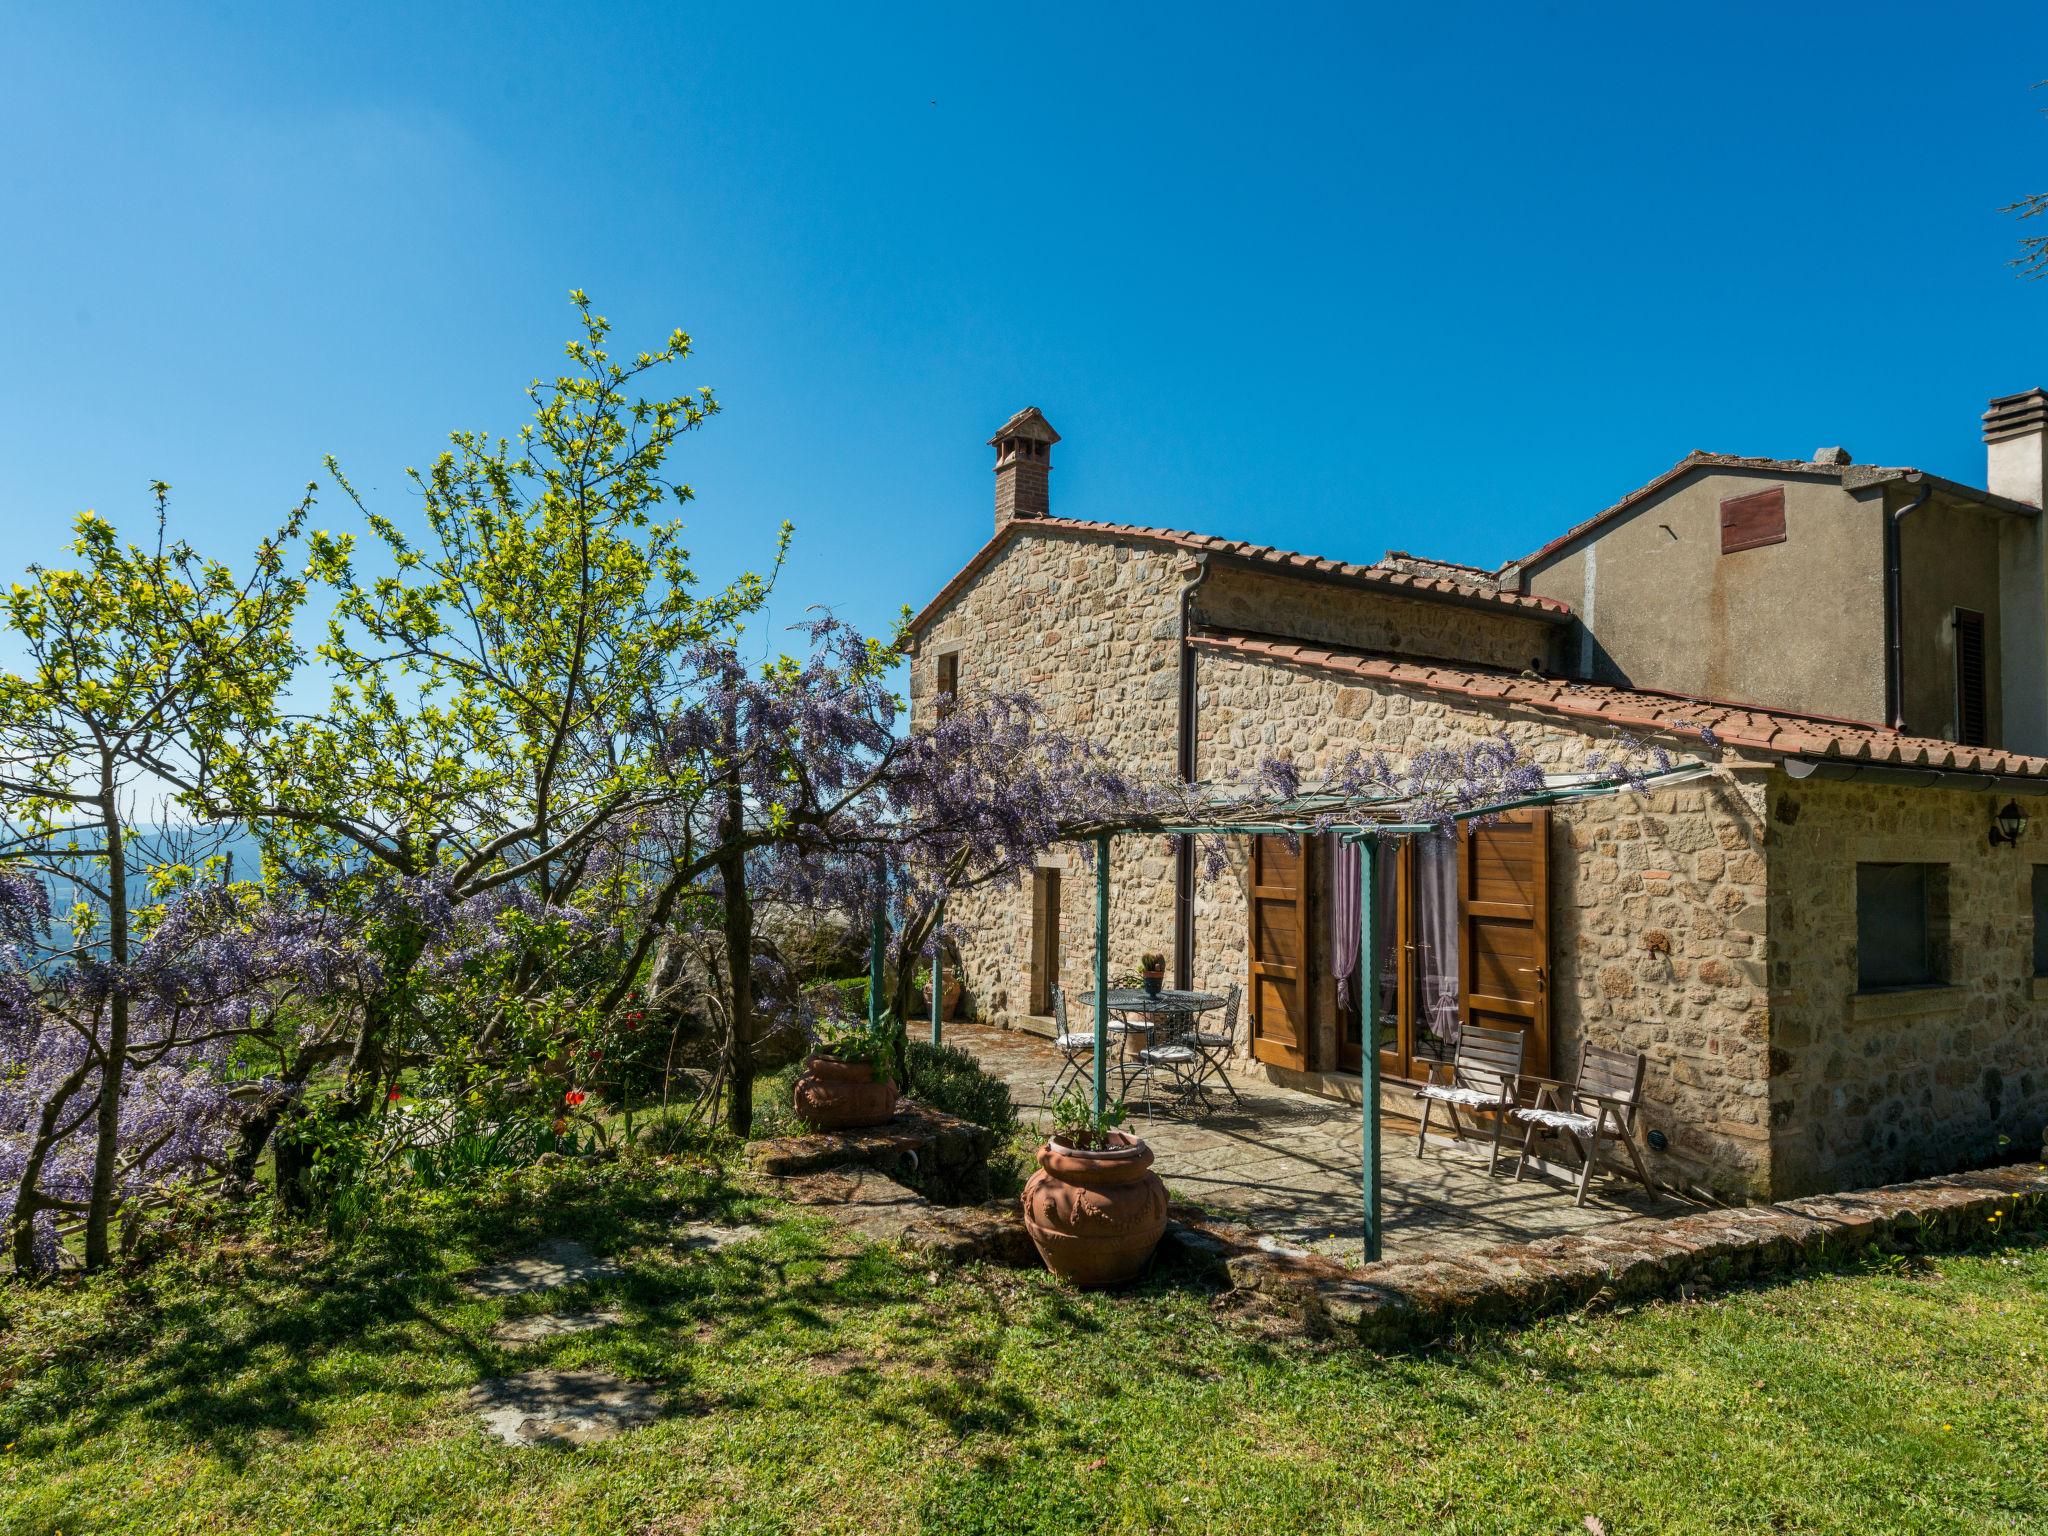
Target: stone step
x=942, y=1149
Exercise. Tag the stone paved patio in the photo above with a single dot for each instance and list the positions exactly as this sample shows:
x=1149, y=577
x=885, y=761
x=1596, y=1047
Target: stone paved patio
x=1289, y=1165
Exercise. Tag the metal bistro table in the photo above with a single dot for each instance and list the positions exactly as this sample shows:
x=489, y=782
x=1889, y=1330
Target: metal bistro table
x=1164, y=1024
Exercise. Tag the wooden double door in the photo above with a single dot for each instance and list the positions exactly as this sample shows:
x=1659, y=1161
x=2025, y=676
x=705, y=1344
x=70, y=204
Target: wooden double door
x=1493, y=969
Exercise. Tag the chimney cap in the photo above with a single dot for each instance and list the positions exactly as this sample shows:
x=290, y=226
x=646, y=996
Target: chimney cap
x=1836, y=456
x=2014, y=415
x=1027, y=423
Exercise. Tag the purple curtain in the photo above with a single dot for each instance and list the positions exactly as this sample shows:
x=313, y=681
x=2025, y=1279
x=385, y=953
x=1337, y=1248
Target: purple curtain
x=1343, y=916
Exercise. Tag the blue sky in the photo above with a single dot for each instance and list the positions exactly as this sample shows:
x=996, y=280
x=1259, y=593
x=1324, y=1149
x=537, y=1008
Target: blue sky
x=1342, y=279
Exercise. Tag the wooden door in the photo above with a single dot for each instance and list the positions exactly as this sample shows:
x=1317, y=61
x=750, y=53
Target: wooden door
x=1279, y=952
x=1504, y=929
x=1045, y=938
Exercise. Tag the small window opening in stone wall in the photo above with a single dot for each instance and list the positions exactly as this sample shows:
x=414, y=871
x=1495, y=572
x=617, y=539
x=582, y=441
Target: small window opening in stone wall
x=948, y=683
x=1973, y=711
x=1901, y=926
x=2041, y=919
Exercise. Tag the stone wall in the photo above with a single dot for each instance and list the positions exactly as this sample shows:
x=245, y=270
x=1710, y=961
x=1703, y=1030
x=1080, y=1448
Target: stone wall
x=1888, y=1085
x=1657, y=920
x=1362, y=618
x=1090, y=629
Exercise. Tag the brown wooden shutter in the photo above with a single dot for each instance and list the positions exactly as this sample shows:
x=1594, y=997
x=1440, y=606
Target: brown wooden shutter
x=1748, y=522
x=1279, y=950
x=1504, y=929
x=1973, y=715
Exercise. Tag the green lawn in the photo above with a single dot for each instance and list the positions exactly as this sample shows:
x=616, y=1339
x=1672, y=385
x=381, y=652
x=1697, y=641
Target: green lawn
x=254, y=1385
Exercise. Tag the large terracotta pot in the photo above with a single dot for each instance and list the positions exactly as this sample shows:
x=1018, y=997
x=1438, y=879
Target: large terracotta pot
x=1095, y=1214
x=949, y=1000
x=834, y=1095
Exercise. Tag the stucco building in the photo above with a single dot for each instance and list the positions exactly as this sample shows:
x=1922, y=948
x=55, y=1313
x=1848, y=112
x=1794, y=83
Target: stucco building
x=1838, y=976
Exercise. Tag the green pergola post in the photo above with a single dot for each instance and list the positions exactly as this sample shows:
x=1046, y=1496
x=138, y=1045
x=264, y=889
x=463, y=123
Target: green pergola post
x=1368, y=1009
x=1101, y=976
x=938, y=966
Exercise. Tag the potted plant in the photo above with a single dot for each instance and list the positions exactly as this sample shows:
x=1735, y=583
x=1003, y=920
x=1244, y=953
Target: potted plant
x=849, y=1079
x=1152, y=970
x=1095, y=1209
x=950, y=1001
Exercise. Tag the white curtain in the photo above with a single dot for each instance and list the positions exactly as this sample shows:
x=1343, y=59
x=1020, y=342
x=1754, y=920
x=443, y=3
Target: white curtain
x=1436, y=945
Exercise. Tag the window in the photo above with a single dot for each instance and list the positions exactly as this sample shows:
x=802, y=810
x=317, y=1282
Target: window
x=1973, y=719
x=949, y=683
x=1901, y=925
x=1748, y=522
x=2041, y=919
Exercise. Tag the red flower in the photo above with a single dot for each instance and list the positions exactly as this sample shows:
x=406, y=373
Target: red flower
x=573, y=1097
x=597, y=1055
x=393, y=1096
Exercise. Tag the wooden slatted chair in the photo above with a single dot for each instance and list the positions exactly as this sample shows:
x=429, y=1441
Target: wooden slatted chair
x=1598, y=1108
x=1484, y=1069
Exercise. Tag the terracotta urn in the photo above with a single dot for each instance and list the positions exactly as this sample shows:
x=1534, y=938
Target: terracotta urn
x=949, y=999
x=1095, y=1213
x=834, y=1095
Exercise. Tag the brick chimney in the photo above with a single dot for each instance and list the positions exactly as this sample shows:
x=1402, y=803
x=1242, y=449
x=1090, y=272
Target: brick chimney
x=1023, y=466
x=2016, y=443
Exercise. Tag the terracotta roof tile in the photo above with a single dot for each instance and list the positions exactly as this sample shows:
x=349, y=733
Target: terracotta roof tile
x=1742, y=727
x=1478, y=590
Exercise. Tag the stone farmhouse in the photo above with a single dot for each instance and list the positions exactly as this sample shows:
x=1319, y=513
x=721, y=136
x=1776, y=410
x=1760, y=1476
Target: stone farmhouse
x=1833, y=950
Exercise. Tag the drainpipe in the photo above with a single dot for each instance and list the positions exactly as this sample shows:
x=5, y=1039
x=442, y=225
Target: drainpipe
x=1185, y=765
x=1895, y=656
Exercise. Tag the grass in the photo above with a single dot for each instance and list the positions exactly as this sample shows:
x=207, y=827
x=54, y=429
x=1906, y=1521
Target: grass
x=273, y=1383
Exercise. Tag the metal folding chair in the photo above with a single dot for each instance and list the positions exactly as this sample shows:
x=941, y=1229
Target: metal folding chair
x=1217, y=1046
x=1077, y=1048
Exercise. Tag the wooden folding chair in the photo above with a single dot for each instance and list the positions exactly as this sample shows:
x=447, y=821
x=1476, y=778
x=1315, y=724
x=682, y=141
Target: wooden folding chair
x=1484, y=1069
x=1597, y=1108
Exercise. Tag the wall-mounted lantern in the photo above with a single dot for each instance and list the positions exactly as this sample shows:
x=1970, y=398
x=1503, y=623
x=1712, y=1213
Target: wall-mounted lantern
x=2009, y=825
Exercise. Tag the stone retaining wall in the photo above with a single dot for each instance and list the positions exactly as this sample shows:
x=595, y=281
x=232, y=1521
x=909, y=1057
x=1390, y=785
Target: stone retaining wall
x=944, y=1155
x=1412, y=1300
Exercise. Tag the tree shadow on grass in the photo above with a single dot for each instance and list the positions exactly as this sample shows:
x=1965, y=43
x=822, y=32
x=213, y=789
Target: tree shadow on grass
x=231, y=1362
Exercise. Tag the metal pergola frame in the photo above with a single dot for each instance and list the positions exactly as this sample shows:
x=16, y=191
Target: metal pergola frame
x=1355, y=822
